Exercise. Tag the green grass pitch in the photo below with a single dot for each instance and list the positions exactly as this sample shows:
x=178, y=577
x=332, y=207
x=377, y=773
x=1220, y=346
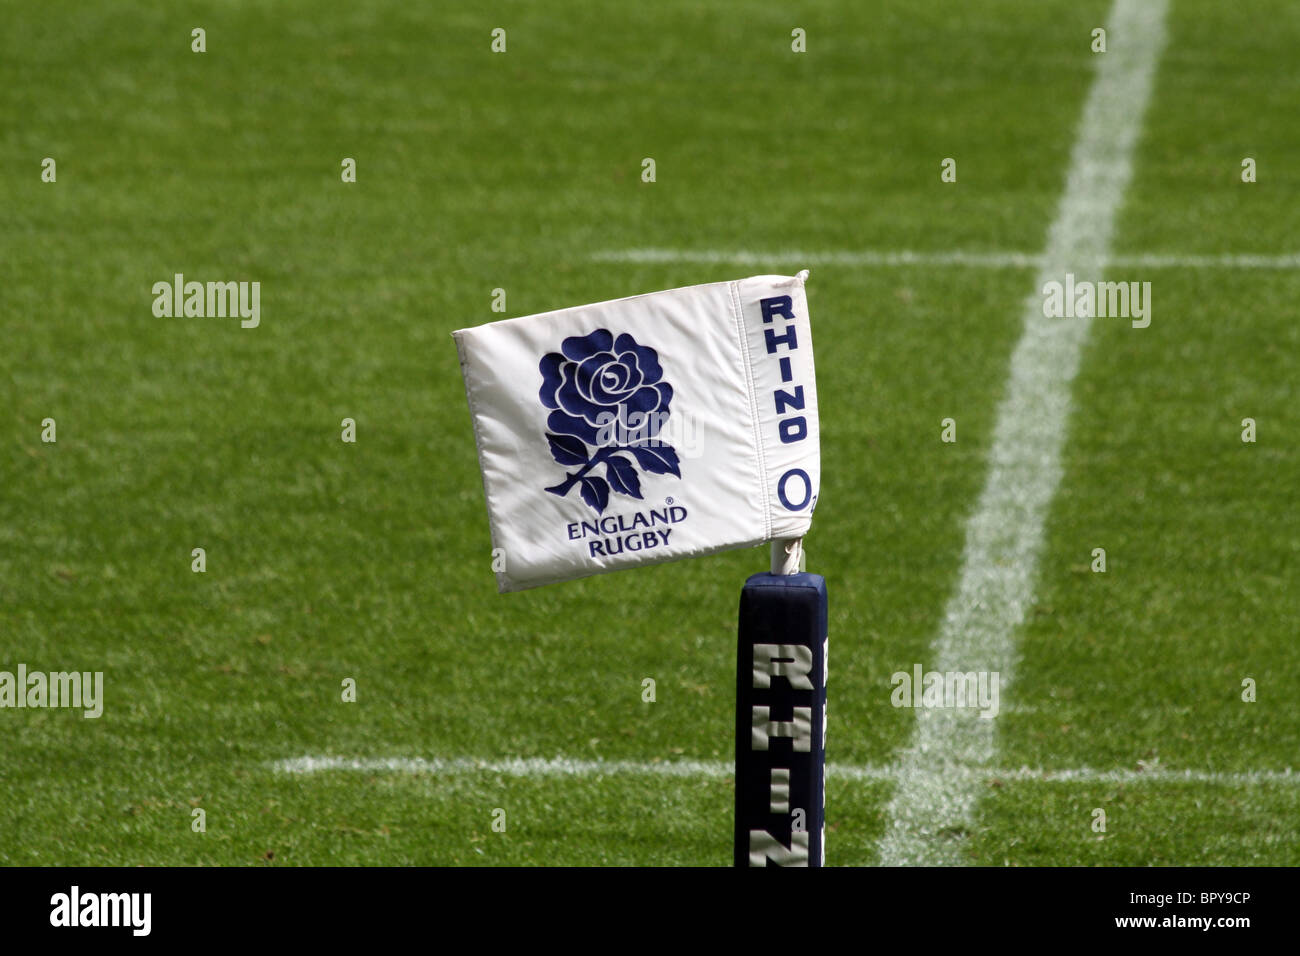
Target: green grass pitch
x=478, y=171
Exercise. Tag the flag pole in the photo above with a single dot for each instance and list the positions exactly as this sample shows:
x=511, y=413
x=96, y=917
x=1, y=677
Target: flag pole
x=781, y=714
x=787, y=556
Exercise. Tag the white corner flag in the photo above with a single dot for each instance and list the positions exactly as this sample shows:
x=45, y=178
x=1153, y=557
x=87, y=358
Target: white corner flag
x=645, y=429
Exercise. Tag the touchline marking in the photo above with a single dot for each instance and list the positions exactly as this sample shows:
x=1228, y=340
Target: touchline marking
x=720, y=769
x=510, y=767
x=998, y=259
x=934, y=802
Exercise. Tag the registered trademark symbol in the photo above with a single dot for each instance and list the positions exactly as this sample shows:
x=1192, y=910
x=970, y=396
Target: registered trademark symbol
x=668, y=501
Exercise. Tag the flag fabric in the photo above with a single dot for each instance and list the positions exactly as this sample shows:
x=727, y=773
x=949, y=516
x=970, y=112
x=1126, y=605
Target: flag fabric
x=645, y=429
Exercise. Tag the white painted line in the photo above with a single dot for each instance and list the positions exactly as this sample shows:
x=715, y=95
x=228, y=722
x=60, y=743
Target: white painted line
x=934, y=803
x=992, y=260
x=719, y=769
x=515, y=767
x=997, y=259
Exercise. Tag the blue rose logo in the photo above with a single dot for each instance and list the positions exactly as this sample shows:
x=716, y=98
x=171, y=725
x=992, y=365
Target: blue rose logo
x=609, y=401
